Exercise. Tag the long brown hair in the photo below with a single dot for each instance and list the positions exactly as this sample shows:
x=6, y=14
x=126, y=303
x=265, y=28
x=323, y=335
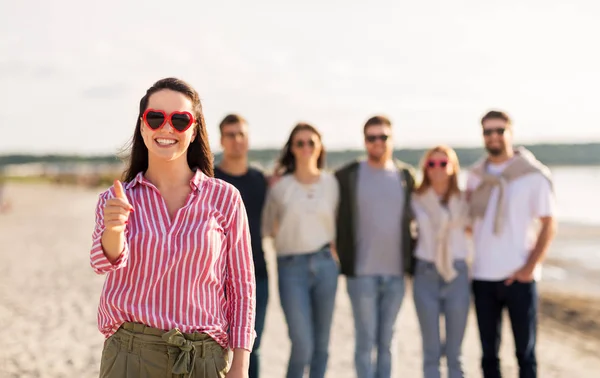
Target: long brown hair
x=199, y=155
x=452, y=159
x=287, y=161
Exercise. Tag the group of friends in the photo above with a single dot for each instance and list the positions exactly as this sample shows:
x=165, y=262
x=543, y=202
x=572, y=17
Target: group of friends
x=181, y=244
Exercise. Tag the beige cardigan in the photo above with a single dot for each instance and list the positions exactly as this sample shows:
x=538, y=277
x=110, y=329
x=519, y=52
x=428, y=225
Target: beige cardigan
x=523, y=163
x=443, y=219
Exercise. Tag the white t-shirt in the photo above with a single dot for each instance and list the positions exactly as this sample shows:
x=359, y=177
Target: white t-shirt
x=527, y=199
x=426, y=249
x=302, y=216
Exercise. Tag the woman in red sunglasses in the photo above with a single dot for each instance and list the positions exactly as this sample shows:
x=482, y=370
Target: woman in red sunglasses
x=441, y=280
x=175, y=247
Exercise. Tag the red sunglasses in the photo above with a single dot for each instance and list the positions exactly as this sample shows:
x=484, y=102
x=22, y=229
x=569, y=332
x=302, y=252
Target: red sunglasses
x=431, y=163
x=155, y=119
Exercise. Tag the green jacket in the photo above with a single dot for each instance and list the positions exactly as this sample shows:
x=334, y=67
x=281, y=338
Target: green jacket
x=346, y=217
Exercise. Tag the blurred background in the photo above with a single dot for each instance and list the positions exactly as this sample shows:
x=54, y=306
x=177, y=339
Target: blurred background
x=72, y=74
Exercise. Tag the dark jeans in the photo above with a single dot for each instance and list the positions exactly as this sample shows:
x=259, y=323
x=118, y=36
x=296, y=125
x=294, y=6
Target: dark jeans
x=262, y=298
x=521, y=300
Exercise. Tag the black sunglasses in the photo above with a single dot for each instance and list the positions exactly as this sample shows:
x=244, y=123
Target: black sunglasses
x=499, y=130
x=373, y=138
x=302, y=143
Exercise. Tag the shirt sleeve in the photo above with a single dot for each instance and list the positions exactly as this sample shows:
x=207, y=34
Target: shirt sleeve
x=336, y=191
x=334, y=187
x=240, y=283
x=543, y=199
x=270, y=214
x=98, y=259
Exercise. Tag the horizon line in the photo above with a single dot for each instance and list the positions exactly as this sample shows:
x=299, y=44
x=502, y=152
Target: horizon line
x=329, y=150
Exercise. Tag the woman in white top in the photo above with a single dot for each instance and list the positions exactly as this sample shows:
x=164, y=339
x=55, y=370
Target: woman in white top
x=441, y=282
x=300, y=216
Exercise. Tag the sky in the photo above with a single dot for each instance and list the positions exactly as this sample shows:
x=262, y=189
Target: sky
x=72, y=73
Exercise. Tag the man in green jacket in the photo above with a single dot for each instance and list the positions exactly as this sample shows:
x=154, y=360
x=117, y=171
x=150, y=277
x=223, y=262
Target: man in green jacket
x=374, y=244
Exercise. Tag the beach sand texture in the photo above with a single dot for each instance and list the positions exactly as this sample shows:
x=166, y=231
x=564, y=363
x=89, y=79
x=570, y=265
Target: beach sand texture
x=49, y=296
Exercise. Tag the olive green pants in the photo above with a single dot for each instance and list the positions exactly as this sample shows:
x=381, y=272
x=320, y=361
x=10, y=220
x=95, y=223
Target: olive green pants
x=136, y=350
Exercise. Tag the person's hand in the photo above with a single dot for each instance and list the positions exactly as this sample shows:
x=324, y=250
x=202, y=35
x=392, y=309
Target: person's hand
x=240, y=364
x=334, y=252
x=117, y=210
x=523, y=275
x=237, y=373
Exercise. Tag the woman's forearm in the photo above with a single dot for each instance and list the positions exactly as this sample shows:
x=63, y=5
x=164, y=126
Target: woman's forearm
x=113, y=244
x=241, y=359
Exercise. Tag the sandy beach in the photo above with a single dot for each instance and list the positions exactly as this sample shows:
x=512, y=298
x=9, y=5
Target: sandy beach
x=49, y=296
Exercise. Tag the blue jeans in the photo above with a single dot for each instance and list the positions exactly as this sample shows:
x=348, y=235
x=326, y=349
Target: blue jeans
x=521, y=300
x=262, y=298
x=307, y=289
x=434, y=297
x=376, y=302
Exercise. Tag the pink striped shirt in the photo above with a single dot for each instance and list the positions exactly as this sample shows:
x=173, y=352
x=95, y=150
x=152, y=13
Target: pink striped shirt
x=194, y=272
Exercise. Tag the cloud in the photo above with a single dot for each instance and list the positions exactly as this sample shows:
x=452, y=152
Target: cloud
x=18, y=69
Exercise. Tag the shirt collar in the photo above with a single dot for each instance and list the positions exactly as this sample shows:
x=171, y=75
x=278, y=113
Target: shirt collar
x=195, y=182
x=138, y=179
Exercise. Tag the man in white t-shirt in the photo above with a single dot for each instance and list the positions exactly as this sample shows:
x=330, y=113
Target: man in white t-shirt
x=513, y=207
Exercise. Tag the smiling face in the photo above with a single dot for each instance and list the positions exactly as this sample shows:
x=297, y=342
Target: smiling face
x=438, y=168
x=306, y=147
x=166, y=142
x=378, y=142
x=497, y=136
x=496, y=127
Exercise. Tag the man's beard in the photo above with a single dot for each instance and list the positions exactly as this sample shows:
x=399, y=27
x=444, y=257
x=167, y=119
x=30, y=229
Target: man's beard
x=495, y=151
x=376, y=157
x=236, y=155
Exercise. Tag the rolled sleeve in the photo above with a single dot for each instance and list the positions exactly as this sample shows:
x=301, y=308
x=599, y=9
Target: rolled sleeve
x=242, y=338
x=240, y=284
x=98, y=259
x=270, y=215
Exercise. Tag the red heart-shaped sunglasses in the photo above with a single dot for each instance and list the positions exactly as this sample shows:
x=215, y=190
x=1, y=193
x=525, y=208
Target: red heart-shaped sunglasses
x=155, y=119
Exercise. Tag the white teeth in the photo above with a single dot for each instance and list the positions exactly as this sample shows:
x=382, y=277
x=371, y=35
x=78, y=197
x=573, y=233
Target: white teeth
x=165, y=141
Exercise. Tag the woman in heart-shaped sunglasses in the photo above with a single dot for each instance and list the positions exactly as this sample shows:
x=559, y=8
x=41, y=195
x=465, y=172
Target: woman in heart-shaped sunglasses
x=175, y=247
x=441, y=285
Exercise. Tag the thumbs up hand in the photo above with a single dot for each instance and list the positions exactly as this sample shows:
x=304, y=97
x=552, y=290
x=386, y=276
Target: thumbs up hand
x=117, y=210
